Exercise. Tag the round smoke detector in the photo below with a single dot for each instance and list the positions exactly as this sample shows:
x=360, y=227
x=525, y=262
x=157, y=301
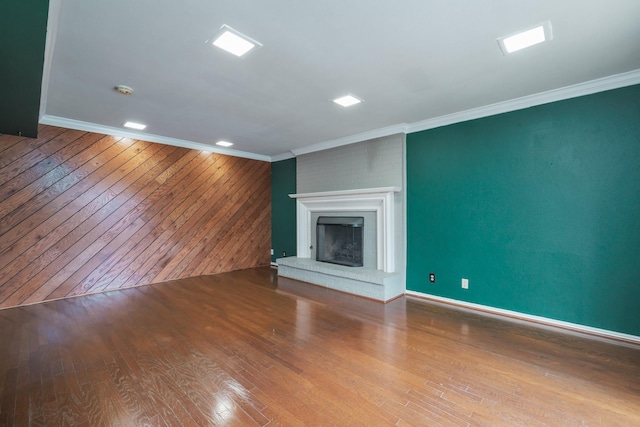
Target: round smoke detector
x=125, y=90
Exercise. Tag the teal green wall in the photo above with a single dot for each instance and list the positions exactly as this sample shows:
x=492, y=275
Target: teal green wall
x=283, y=208
x=23, y=30
x=538, y=208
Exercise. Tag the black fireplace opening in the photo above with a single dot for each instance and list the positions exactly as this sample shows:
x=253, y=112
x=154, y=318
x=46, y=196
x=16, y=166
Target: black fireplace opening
x=339, y=240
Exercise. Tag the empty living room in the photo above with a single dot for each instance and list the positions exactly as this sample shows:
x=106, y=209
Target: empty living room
x=246, y=213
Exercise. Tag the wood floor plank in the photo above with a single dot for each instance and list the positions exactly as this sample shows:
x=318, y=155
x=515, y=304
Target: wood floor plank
x=17, y=149
x=9, y=141
x=9, y=397
x=249, y=348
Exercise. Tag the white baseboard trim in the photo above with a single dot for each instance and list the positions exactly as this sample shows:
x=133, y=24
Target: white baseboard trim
x=574, y=327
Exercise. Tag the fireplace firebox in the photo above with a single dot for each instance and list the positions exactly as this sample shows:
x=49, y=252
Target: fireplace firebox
x=339, y=240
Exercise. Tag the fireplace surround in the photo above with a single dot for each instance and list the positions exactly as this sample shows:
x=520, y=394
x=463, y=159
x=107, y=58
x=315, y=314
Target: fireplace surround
x=380, y=281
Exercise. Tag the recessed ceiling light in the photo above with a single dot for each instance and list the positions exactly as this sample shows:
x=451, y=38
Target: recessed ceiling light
x=233, y=41
x=224, y=143
x=347, y=101
x=538, y=34
x=133, y=125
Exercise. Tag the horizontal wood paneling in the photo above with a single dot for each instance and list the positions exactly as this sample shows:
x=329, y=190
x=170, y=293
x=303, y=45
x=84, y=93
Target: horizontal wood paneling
x=82, y=212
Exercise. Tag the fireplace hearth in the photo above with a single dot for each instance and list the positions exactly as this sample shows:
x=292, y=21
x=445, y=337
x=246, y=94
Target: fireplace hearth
x=340, y=240
x=376, y=277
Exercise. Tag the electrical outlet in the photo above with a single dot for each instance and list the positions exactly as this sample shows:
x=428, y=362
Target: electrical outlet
x=432, y=277
x=284, y=254
x=465, y=283
x=271, y=251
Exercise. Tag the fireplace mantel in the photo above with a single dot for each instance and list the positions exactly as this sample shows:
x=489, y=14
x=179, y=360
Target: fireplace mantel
x=381, y=190
x=379, y=200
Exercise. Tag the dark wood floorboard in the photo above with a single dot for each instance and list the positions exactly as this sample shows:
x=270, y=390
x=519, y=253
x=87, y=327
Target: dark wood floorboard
x=250, y=349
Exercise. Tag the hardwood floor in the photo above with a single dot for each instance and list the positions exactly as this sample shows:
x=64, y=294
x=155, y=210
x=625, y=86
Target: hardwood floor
x=247, y=348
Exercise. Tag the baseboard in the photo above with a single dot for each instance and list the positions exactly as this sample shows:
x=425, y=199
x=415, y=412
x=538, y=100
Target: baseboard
x=567, y=326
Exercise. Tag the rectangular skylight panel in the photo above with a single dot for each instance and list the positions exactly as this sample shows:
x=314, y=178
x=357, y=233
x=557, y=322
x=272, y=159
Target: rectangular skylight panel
x=347, y=101
x=524, y=40
x=233, y=41
x=527, y=38
x=233, y=44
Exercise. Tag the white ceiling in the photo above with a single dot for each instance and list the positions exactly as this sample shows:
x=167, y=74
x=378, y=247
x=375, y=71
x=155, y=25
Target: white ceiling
x=410, y=60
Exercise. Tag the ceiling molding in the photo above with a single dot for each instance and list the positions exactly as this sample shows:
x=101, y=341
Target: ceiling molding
x=376, y=133
x=573, y=91
x=581, y=89
x=221, y=96
x=108, y=130
x=587, y=88
x=283, y=156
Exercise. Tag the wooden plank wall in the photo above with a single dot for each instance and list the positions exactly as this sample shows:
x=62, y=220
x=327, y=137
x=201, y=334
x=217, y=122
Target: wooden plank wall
x=82, y=213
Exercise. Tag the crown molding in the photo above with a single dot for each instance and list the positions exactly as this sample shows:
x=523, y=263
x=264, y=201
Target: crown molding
x=108, y=130
x=376, y=133
x=282, y=156
x=581, y=89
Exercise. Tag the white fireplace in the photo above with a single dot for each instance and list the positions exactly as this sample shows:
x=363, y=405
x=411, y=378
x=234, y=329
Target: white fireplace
x=380, y=280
